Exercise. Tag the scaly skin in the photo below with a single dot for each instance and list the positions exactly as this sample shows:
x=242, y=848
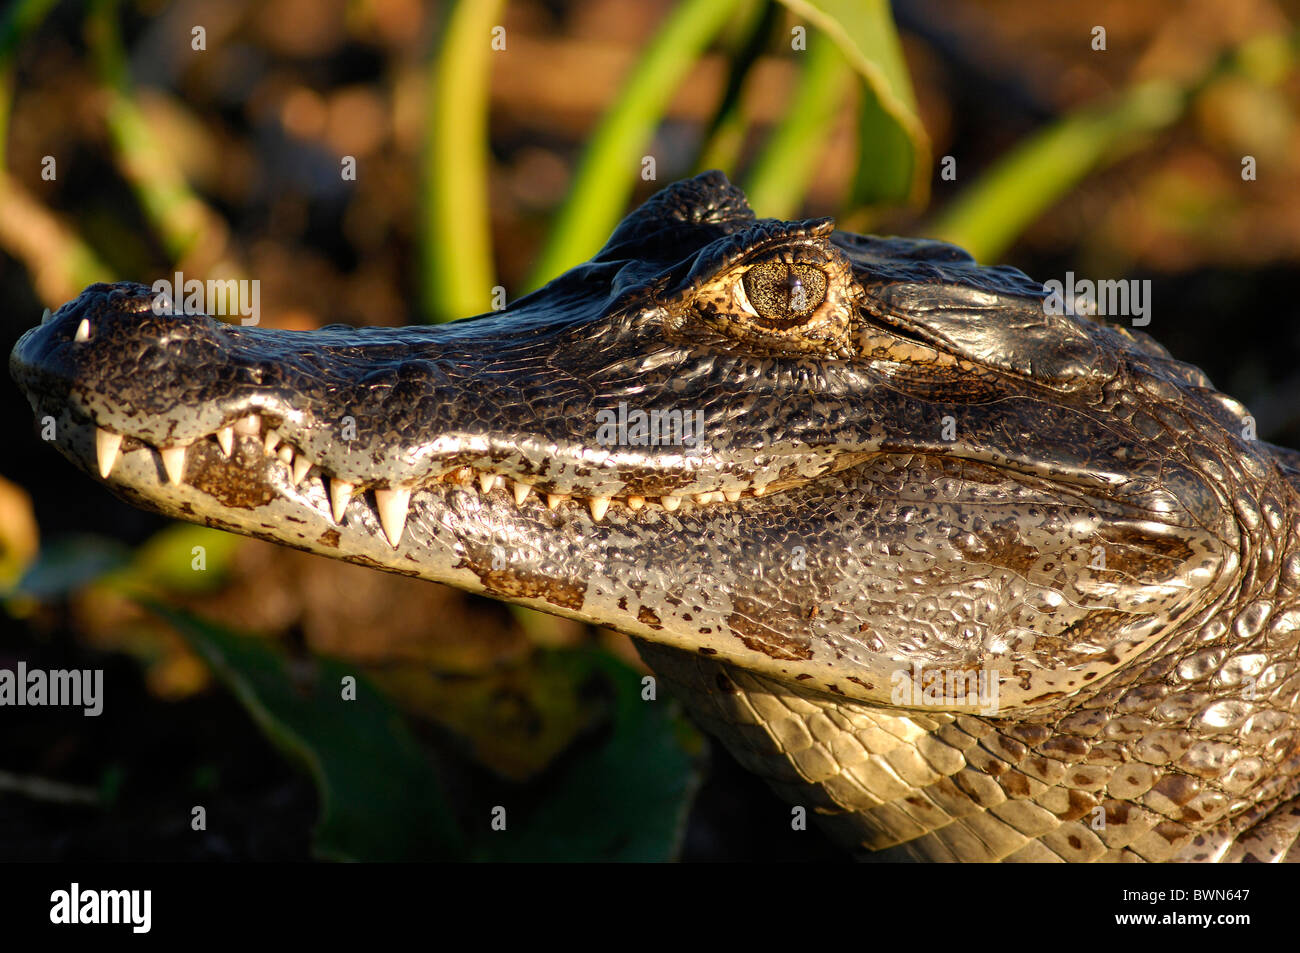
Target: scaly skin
x=906, y=464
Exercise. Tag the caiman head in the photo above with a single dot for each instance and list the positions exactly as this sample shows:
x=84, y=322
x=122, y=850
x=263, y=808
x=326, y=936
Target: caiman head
x=819, y=456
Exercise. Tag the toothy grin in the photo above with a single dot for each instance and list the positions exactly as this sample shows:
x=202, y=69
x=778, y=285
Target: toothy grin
x=391, y=503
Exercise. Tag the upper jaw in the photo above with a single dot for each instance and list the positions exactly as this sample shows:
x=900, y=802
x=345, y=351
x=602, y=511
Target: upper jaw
x=385, y=410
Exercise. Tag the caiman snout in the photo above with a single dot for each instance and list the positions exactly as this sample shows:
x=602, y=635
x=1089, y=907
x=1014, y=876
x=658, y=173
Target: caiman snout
x=116, y=336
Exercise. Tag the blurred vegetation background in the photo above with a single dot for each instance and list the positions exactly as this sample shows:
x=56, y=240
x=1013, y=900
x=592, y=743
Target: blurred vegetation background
x=496, y=143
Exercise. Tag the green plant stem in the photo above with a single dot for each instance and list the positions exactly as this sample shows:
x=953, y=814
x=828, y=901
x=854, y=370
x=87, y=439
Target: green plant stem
x=181, y=219
x=457, y=276
x=781, y=174
x=18, y=23
x=607, y=172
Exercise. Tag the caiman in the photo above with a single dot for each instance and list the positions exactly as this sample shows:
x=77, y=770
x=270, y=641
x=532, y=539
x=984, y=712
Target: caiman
x=965, y=575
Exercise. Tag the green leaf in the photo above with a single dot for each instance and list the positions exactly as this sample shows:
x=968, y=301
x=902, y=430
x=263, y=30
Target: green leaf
x=992, y=213
x=724, y=137
x=894, y=150
x=380, y=798
x=67, y=564
x=627, y=798
x=177, y=214
x=167, y=560
x=779, y=178
x=988, y=216
x=611, y=163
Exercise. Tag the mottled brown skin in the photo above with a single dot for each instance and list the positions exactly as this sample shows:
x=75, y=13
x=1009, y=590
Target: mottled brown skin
x=910, y=464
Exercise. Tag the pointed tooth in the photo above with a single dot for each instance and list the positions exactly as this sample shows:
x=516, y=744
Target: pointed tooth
x=173, y=459
x=731, y=495
x=487, y=481
x=107, y=444
x=250, y=426
x=46, y=316
x=272, y=441
x=340, y=494
x=599, y=505
x=226, y=439
x=300, y=467
x=759, y=489
x=521, y=492
x=83, y=331
x=703, y=498
x=392, y=504
x=554, y=499
x=286, y=453
x=636, y=502
x=670, y=503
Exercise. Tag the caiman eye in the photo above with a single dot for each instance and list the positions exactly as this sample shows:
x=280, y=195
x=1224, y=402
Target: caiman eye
x=783, y=294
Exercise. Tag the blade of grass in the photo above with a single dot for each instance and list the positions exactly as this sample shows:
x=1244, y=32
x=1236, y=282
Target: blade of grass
x=780, y=176
x=182, y=220
x=989, y=215
x=894, y=155
x=457, y=274
x=16, y=24
x=607, y=171
x=722, y=140
x=60, y=263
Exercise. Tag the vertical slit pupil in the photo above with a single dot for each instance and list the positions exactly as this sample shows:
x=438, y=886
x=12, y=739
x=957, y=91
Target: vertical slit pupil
x=780, y=292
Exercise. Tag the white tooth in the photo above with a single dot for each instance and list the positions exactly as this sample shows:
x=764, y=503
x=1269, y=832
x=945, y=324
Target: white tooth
x=46, y=316
x=599, y=504
x=759, y=490
x=487, y=482
x=272, y=441
x=300, y=467
x=554, y=499
x=106, y=447
x=83, y=330
x=226, y=438
x=731, y=495
x=286, y=453
x=521, y=492
x=636, y=502
x=703, y=498
x=670, y=503
x=173, y=459
x=392, y=511
x=340, y=494
x=250, y=426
